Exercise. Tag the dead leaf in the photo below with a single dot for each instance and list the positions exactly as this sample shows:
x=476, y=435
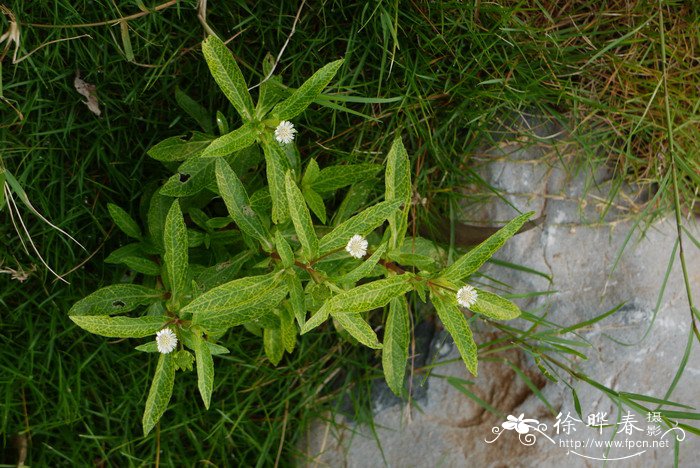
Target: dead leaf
x=89, y=91
x=12, y=35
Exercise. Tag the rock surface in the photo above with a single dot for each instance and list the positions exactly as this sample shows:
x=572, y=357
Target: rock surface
x=595, y=265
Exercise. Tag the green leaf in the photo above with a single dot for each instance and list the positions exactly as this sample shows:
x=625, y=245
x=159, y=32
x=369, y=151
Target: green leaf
x=296, y=298
x=362, y=298
x=157, y=212
x=457, y=326
x=236, y=199
x=419, y=252
x=472, y=261
x=310, y=174
x=192, y=176
x=398, y=187
x=274, y=348
x=222, y=272
x=494, y=306
x=142, y=265
x=124, y=221
x=284, y=250
x=183, y=360
x=160, y=392
x=306, y=93
x=149, y=347
x=194, y=110
x=119, y=327
x=115, y=299
x=221, y=123
x=365, y=267
x=356, y=198
x=276, y=164
x=176, y=258
x=236, y=140
x=236, y=302
x=332, y=178
x=227, y=75
x=288, y=330
x=302, y=219
x=205, y=369
x=397, y=336
x=362, y=223
x=315, y=202
x=177, y=149
x=356, y=326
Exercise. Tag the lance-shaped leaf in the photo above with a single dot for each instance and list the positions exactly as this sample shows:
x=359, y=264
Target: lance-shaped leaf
x=397, y=336
x=194, y=110
x=361, y=299
x=176, y=258
x=227, y=75
x=302, y=219
x=157, y=211
x=238, y=204
x=160, y=392
x=276, y=165
x=236, y=302
x=398, y=187
x=119, y=327
x=177, y=149
x=288, y=330
x=236, y=140
x=296, y=298
x=115, y=299
x=493, y=306
x=274, y=347
x=359, y=329
x=124, y=221
x=205, y=369
x=193, y=176
x=457, y=326
x=362, y=223
x=284, y=250
x=315, y=202
x=365, y=268
x=306, y=93
x=332, y=178
x=472, y=260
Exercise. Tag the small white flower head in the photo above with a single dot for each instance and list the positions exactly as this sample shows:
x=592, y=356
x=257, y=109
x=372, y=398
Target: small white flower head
x=166, y=340
x=284, y=133
x=466, y=296
x=357, y=246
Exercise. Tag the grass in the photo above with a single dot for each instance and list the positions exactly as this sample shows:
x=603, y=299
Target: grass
x=446, y=71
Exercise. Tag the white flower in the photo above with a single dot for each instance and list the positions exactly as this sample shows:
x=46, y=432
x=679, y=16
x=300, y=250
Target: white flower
x=284, y=133
x=166, y=340
x=466, y=296
x=357, y=246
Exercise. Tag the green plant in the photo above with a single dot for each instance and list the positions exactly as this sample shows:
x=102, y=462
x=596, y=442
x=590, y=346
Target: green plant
x=195, y=288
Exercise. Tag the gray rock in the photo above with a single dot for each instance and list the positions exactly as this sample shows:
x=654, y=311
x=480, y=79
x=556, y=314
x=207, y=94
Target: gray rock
x=598, y=259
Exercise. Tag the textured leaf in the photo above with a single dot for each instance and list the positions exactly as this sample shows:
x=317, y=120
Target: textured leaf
x=398, y=187
x=142, y=265
x=274, y=348
x=236, y=140
x=124, y=221
x=457, y=326
x=310, y=174
x=284, y=250
x=356, y=326
x=332, y=178
x=397, y=336
x=276, y=164
x=119, y=327
x=238, y=204
x=183, y=360
x=115, y=299
x=193, y=176
x=157, y=212
x=194, y=110
x=205, y=369
x=288, y=330
x=356, y=198
x=177, y=149
x=419, y=252
x=365, y=267
x=362, y=298
x=472, y=260
x=222, y=272
x=228, y=76
x=302, y=219
x=176, y=257
x=315, y=202
x=236, y=302
x=306, y=93
x=296, y=298
x=494, y=306
x=160, y=392
x=362, y=223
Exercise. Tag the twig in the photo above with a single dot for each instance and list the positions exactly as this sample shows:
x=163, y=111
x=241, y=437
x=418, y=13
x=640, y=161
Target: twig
x=202, y=15
x=279, y=56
